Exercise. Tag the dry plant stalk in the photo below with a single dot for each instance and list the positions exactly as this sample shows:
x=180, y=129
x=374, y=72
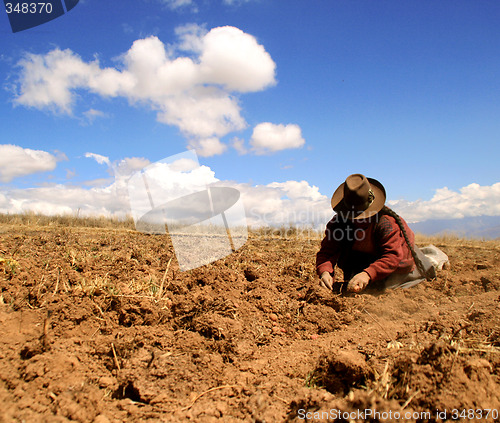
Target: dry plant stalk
x=206, y=392
x=407, y=402
x=382, y=382
x=57, y=281
x=160, y=291
x=44, y=338
x=115, y=357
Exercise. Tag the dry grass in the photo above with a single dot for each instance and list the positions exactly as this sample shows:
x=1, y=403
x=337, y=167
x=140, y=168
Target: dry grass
x=287, y=232
x=74, y=221
x=40, y=220
x=450, y=240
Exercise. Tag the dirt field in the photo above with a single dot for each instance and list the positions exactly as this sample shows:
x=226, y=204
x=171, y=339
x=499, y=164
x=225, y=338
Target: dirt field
x=99, y=325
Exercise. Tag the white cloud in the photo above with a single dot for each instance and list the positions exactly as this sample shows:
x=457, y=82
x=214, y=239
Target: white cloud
x=16, y=161
x=92, y=114
x=4, y=202
x=208, y=146
x=235, y=2
x=183, y=165
x=194, y=92
x=239, y=145
x=65, y=199
x=277, y=203
x=235, y=60
x=47, y=81
x=190, y=38
x=269, y=138
x=98, y=158
x=125, y=167
x=471, y=200
x=299, y=189
x=110, y=198
x=100, y=182
x=285, y=203
x=178, y=4
x=165, y=182
x=206, y=113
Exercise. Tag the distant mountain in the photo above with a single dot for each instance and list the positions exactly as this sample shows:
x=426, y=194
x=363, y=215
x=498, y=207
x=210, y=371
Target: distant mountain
x=483, y=227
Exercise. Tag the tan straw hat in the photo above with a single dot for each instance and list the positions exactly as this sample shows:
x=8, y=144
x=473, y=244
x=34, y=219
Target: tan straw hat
x=358, y=197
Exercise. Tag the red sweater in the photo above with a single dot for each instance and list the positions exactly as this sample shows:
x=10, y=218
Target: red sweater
x=383, y=240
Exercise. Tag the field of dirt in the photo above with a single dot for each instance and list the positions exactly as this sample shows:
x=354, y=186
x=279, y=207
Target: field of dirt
x=99, y=325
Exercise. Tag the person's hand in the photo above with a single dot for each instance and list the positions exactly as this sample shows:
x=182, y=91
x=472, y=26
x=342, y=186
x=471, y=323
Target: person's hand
x=358, y=282
x=326, y=280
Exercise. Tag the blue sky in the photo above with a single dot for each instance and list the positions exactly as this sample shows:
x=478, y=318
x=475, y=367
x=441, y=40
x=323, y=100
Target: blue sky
x=282, y=99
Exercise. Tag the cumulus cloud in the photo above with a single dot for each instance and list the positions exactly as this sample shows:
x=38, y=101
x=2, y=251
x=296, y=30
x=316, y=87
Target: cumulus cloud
x=208, y=146
x=103, y=197
x=269, y=138
x=236, y=61
x=239, y=145
x=65, y=199
x=162, y=182
x=284, y=203
x=190, y=38
x=184, y=164
x=471, y=200
x=194, y=92
x=16, y=161
x=47, y=81
x=277, y=203
x=99, y=182
x=299, y=189
x=125, y=167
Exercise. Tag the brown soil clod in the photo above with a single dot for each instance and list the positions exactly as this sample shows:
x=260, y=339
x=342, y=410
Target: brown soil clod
x=340, y=371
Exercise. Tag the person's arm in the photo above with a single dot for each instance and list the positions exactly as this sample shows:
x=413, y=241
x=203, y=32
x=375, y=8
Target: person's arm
x=392, y=250
x=327, y=256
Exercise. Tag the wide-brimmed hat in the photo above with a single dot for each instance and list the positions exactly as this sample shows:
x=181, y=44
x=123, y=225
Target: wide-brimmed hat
x=358, y=197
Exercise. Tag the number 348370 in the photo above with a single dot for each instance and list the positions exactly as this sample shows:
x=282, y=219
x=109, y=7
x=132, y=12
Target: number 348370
x=25, y=8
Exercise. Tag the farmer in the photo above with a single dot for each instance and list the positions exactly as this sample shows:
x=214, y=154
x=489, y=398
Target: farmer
x=372, y=245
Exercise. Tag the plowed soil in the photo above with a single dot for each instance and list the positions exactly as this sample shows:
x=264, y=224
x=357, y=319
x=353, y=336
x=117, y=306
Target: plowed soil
x=99, y=325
